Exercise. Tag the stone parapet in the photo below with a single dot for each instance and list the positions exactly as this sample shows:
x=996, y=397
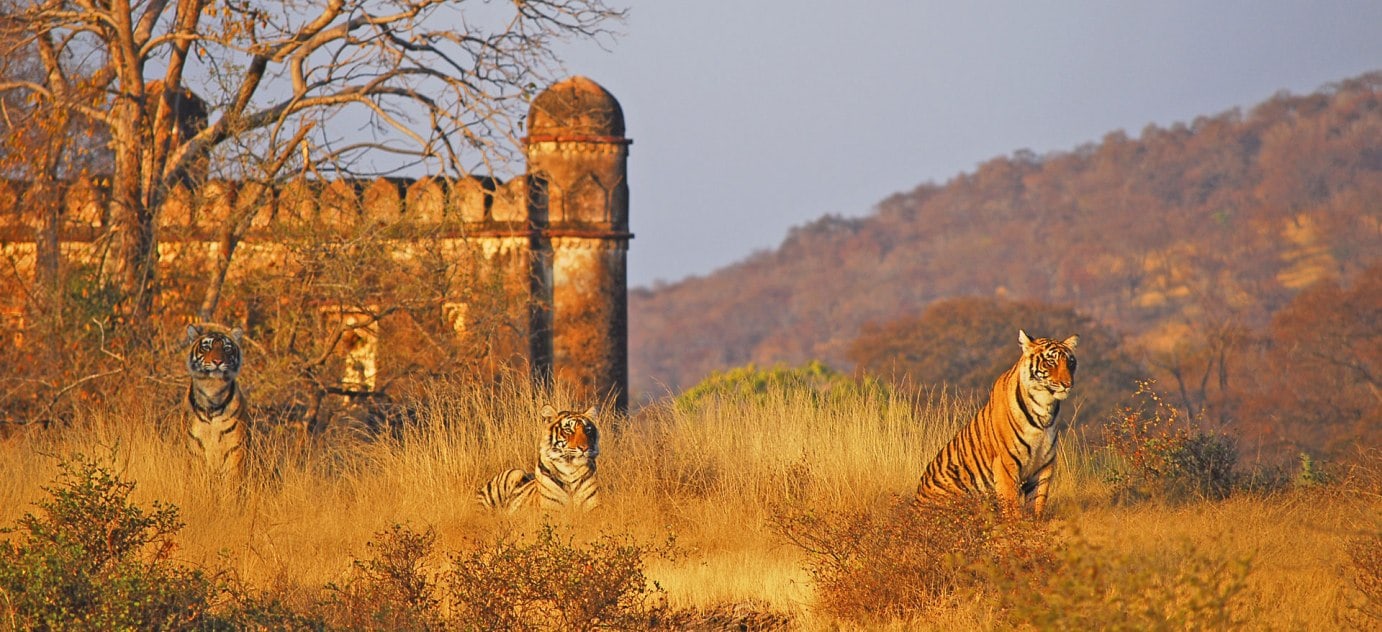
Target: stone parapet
x=455, y=207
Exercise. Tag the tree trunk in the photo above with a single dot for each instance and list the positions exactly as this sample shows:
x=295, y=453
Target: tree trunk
x=46, y=299
x=136, y=250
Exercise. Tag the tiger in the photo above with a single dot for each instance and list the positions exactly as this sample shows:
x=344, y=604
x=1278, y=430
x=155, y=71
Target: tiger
x=1009, y=447
x=565, y=474
x=217, y=418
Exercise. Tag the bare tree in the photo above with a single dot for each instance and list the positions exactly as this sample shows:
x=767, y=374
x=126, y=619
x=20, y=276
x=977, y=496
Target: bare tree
x=336, y=89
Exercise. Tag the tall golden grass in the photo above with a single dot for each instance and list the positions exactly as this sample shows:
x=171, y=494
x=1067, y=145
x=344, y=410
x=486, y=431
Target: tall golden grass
x=712, y=476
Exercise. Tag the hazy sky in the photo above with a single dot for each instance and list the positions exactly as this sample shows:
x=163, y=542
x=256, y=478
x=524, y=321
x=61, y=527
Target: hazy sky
x=753, y=116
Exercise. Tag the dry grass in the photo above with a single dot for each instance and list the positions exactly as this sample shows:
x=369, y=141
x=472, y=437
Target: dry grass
x=712, y=477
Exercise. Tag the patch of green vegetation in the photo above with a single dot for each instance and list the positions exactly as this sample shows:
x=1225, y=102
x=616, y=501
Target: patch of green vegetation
x=756, y=384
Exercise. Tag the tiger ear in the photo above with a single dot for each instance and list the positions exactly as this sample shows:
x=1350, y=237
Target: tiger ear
x=1023, y=339
x=1072, y=341
x=236, y=334
x=547, y=411
x=192, y=333
x=591, y=412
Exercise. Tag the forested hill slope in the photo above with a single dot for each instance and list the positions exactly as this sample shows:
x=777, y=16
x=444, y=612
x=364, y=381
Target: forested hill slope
x=1213, y=223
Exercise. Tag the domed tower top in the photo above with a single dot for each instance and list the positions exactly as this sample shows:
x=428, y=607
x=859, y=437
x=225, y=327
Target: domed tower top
x=575, y=109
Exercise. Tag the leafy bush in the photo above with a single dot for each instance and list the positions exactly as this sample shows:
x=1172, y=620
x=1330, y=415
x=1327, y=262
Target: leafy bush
x=1161, y=453
x=1088, y=588
x=901, y=560
x=752, y=383
x=91, y=560
x=554, y=584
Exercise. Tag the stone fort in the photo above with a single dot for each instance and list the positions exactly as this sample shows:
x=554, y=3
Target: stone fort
x=554, y=240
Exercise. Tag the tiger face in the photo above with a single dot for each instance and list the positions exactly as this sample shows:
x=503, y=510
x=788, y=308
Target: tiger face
x=1051, y=364
x=571, y=435
x=213, y=353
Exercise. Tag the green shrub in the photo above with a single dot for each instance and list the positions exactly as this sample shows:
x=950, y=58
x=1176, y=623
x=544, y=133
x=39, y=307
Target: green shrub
x=1311, y=473
x=754, y=384
x=555, y=584
x=901, y=561
x=1160, y=453
x=90, y=560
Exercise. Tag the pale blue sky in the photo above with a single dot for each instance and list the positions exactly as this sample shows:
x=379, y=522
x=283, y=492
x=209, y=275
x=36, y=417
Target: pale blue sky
x=753, y=116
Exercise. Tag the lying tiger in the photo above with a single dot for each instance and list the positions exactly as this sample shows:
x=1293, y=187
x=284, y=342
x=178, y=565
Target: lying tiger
x=1009, y=448
x=565, y=474
x=217, y=417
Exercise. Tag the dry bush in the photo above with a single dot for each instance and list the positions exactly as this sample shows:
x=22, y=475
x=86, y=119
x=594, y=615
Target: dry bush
x=551, y=582
x=1365, y=556
x=554, y=583
x=1363, y=481
x=1163, y=454
x=903, y=561
x=1090, y=588
x=392, y=590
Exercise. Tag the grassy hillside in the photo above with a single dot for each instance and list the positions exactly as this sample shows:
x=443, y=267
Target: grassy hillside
x=1167, y=237
x=717, y=476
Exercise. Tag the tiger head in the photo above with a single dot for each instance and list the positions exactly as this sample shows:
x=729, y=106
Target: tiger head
x=571, y=435
x=213, y=352
x=1050, y=364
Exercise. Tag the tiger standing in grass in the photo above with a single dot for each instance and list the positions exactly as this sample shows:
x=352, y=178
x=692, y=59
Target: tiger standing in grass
x=217, y=413
x=1009, y=448
x=565, y=474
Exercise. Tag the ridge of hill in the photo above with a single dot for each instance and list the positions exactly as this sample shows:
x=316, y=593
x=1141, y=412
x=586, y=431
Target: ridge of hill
x=1219, y=221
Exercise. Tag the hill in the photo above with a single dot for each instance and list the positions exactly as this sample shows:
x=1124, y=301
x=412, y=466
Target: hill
x=1166, y=238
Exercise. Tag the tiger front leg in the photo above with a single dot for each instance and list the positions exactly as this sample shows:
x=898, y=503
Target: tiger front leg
x=1043, y=485
x=1006, y=487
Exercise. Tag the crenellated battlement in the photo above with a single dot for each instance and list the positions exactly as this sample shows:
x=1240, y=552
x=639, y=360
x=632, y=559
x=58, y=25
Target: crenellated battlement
x=456, y=207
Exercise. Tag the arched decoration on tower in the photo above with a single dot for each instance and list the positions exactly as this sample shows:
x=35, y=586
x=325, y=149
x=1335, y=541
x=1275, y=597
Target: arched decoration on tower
x=591, y=198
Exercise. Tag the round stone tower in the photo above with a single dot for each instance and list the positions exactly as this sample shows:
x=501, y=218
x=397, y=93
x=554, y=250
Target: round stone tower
x=578, y=199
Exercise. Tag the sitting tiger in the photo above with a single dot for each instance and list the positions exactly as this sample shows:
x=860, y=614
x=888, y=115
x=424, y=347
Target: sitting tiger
x=565, y=473
x=1009, y=448
x=217, y=415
